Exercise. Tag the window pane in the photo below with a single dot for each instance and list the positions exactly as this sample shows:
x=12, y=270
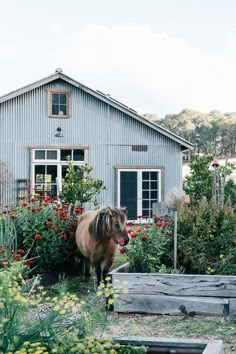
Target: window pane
x=145, y=175
x=51, y=155
x=145, y=204
x=146, y=212
x=39, y=173
x=145, y=185
x=78, y=155
x=154, y=194
x=62, y=98
x=55, y=109
x=145, y=194
x=55, y=98
x=62, y=110
x=65, y=154
x=51, y=173
x=39, y=154
x=154, y=176
x=63, y=171
x=153, y=185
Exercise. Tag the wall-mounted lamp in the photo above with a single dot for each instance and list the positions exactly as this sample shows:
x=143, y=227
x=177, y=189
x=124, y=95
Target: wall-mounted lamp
x=59, y=133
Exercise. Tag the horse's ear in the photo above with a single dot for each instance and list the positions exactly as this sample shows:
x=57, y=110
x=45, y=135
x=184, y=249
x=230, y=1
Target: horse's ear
x=125, y=210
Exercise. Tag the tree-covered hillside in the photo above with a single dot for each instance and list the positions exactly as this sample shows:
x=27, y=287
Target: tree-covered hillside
x=213, y=133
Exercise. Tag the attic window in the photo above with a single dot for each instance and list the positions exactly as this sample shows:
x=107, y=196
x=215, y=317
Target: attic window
x=58, y=104
x=139, y=148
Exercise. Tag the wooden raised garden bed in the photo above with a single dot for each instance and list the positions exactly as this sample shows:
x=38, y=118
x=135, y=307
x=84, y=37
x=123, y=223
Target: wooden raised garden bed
x=175, y=345
x=166, y=293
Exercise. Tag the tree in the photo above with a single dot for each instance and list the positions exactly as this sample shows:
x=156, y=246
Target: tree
x=199, y=183
x=79, y=186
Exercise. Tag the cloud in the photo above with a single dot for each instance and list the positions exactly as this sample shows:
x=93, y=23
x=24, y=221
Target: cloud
x=149, y=71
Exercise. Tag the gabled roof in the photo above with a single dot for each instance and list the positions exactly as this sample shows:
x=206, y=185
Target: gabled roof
x=101, y=96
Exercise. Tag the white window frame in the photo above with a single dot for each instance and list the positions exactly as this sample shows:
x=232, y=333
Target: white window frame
x=54, y=162
x=139, y=184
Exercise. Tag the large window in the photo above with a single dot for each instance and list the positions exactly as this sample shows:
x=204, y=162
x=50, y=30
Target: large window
x=49, y=167
x=59, y=104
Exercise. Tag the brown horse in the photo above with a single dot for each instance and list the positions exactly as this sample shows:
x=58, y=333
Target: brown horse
x=97, y=236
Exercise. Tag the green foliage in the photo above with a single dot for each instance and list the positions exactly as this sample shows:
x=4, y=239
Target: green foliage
x=8, y=236
x=46, y=228
x=207, y=239
x=199, y=183
x=78, y=186
x=147, y=247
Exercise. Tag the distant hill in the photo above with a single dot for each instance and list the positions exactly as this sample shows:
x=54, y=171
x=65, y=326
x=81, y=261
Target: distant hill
x=214, y=132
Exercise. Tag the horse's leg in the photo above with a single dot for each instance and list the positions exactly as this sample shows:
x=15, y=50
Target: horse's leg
x=87, y=273
x=98, y=273
x=105, y=269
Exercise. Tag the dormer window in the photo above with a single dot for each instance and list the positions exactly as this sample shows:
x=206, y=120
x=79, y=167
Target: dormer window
x=59, y=104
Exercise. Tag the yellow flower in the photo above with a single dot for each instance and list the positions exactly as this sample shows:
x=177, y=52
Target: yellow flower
x=56, y=308
x=102, y=285
x=110, y=301
x=54, y=350
x=108, y=278
x=125, y=291
x=62, y=312
x=221, y=256
x=82, y=302
x=99, y=293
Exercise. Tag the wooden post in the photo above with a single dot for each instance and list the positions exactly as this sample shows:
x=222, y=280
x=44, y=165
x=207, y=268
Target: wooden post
x=175, y=240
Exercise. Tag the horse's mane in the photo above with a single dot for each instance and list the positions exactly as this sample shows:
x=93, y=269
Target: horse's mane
x=101, y=226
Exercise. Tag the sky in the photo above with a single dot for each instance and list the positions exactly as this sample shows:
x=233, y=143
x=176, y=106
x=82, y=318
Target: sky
x=155, y=56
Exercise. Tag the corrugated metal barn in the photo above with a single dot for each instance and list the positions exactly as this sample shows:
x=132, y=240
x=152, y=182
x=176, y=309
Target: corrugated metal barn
x=42, y=123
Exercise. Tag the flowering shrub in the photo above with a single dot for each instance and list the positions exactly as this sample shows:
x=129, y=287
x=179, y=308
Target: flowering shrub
x=38, y=322
x=207, y=239
x=46, y=228
x=148, y=246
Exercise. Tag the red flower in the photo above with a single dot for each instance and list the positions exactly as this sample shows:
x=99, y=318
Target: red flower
x=146, y=217
x=21, y=251
x=79, y=210
x=130, y=223
x=7, y=246
x=17, y=256
x=134, y=234
x=48, y=223
x=37, y=237
x=167, y=223
x=144, y=238
x=72, y=233
x=159, y=224
x=27, y=188
x=12, y=252
x=139, y=230
x=146, y=227
x=53, y=227
x=63, y=236
x=6, y=261
x=129, y=231
x=24, y=204
x=122, y=250
x=2, y=251
x=121, y=241
x=139, y=217
x=57, y=249
x=39, y=208
x=157, y=218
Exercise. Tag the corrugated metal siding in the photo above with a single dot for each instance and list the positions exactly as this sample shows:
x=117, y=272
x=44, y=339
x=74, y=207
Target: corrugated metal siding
x=108, y=132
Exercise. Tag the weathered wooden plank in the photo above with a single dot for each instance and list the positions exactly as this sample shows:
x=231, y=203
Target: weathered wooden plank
x=214, y=347
x=177, y=284
x=232, y=307
x=208, y=347
x=169, y=305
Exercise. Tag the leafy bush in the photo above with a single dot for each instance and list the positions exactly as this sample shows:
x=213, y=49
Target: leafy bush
x=199, y=183
x=46, y=228
x=147, y=248
x=79, y=186
x=207, y=239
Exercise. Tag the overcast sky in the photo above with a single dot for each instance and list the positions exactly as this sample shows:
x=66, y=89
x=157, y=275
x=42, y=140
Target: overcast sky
x=156, y=56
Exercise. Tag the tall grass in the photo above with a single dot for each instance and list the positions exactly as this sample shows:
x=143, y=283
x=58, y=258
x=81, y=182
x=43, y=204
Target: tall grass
x=8, y=236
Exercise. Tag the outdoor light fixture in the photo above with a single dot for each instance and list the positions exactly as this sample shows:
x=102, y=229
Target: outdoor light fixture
x=59, y=133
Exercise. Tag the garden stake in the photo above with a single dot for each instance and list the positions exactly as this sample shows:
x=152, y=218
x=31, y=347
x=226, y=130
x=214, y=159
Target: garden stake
x=175, y=239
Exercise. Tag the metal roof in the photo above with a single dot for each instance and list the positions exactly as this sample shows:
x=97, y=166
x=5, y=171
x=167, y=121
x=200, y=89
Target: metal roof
x=101, y=96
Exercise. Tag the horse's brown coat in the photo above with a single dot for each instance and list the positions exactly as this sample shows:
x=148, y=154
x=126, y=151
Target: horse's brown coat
x=97, y=235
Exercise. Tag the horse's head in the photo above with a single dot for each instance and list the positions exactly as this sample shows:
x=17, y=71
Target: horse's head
x=110, y=223
x=118, y=229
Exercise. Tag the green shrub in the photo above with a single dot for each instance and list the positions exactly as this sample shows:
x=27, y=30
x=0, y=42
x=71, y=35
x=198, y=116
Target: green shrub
x=207, y=239
x=79, y=186
x=46, y=228
x=147, y=248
